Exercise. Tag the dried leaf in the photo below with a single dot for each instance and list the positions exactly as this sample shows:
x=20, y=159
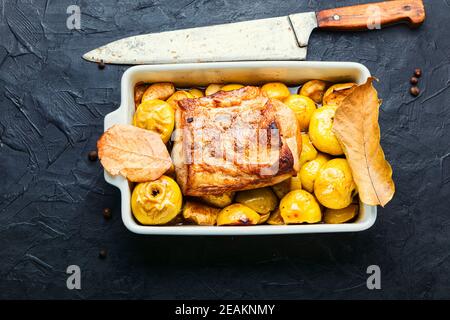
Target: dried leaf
x=137, y=154
x=356, y=127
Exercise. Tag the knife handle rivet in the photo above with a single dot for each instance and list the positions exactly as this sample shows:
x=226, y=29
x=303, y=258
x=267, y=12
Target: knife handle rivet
x=336, y=17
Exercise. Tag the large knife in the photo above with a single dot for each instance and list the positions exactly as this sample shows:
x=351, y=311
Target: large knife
x=281, y=38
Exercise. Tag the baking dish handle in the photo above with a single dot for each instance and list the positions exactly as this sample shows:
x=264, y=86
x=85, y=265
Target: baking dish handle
x=116, y=117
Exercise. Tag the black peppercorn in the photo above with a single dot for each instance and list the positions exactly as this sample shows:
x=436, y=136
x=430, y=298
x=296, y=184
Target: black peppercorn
x=415, y=91
x=102, y=254
x=93, y=155
x=418, y=72
x=414, y=80
x=107, y=214
x=101, y=65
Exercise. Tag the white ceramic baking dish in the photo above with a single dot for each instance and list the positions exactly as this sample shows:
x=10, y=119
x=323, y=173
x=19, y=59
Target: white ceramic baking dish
x=201, y=74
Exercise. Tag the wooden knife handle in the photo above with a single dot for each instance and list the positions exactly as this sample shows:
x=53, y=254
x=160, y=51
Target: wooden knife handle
x=372, y=15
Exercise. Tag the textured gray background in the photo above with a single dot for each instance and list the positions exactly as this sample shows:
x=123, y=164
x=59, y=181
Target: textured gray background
x=51, y=197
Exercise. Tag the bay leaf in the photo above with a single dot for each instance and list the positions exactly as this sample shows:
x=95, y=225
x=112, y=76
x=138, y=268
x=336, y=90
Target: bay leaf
x=357, y=129
x=137, y=154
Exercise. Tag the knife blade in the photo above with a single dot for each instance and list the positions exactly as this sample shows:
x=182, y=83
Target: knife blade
x=280, y=38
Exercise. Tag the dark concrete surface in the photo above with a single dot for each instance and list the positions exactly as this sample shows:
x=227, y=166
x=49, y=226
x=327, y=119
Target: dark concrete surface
x=51, y=197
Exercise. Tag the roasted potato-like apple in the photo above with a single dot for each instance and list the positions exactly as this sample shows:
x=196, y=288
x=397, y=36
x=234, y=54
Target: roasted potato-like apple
x=275, y=218
x=196, y=93
x=263, y=218
x=156, y=202
x=276, y=90
x=314, y=89
x=218, y=200
x=295, y=183
x=159, y=91
x=178, y=96
x=300, y=206
x=321, y=131
x=139, y=93
x=157, y=116
x=346, y=214
x=303, y=108
x=237, y=215
x=262, y=200
x=213, y=88
x=338, y=92
x=200, y=214
x=334, y=186
x=231, y=87
x=310, y=170
x=308, y=151
x=281, y=189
